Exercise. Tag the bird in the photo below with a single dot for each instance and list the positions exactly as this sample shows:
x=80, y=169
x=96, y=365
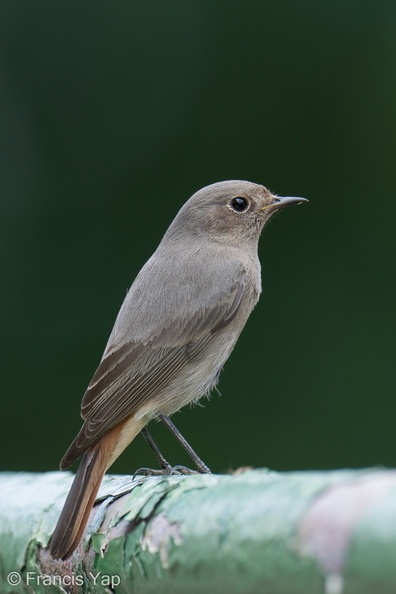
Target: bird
x=176, y=328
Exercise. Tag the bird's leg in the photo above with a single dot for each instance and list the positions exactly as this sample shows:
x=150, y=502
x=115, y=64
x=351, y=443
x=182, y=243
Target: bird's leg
x=194, y=457
x=164, y=464
x=166, y=468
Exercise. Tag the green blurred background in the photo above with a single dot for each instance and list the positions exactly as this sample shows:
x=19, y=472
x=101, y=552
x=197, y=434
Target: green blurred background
x=112, y=115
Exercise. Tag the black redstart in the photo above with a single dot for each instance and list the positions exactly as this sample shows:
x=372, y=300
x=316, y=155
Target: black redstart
x=176, y=328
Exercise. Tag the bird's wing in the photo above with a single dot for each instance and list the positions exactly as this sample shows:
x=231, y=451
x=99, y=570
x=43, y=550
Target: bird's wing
x=130, y=375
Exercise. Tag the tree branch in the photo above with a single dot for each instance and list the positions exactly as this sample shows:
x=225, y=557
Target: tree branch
x=256, y=531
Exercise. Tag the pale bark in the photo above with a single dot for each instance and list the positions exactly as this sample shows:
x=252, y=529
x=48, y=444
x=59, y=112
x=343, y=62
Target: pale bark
x=253, y=532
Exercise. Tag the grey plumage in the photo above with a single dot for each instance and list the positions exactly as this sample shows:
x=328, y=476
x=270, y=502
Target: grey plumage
x=182, y=315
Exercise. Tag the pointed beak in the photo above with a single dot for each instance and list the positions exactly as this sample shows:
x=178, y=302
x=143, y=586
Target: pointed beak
x=283, y=201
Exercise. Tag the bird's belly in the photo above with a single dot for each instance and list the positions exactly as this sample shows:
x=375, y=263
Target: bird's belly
x=196, y=378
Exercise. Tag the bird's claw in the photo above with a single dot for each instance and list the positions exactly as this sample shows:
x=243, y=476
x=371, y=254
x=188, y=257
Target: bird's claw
x=166, y=471
x=179, y=469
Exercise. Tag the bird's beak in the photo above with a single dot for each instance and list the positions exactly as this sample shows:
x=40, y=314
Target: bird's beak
x=283, y=201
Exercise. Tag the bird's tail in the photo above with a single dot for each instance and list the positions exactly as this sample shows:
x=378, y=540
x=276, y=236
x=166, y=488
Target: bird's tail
x=79, y=502
x=81, y=497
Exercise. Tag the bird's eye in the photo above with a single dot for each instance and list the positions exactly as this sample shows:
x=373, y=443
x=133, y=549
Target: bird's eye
x=239, y=204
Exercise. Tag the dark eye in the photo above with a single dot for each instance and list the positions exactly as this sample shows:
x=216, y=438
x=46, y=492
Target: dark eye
x=239, y=204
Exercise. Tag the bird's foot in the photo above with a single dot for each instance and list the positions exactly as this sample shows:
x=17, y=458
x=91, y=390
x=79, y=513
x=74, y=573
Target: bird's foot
x=179, y=469
x=150, y=472
x=202, y=468
x=166, y=471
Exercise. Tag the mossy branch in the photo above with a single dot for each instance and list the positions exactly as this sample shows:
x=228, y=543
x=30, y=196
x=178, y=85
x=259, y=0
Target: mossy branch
x=253, y=532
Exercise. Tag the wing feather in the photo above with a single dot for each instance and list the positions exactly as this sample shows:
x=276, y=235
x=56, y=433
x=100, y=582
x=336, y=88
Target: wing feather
x=127, y=377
